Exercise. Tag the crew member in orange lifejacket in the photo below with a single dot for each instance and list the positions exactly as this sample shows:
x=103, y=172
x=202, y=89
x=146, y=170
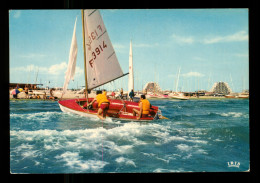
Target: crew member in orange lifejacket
x=103, y=104
x=144, y=106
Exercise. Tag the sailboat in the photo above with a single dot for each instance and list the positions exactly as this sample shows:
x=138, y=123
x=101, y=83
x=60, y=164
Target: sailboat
x=101, y=66
x=178, y=95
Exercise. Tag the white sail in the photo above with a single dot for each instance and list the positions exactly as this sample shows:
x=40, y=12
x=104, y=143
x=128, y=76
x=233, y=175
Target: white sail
x=101, y=61
x=131, y=73
x=178, y=80
x=70, y=73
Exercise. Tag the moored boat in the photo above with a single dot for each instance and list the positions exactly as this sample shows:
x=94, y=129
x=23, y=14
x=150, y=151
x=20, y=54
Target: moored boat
x=230, y=96
x=179, y=96
x=243, y=96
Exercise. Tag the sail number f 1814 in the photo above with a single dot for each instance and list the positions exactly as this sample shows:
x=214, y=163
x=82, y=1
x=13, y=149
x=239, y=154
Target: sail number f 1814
x=98, y=51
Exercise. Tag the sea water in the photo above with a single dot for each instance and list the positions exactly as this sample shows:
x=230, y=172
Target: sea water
x=199, y=136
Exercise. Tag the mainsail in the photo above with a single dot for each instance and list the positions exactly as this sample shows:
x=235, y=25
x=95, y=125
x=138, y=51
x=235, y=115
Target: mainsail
x=131, y=74
x=101, y=62
x=70, y=73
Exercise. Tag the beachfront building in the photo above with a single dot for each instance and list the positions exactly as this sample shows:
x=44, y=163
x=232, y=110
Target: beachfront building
x=152, y=87
x=221, y=88
x=22, y=85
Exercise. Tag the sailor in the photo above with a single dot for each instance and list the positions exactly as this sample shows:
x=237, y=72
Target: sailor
x=131, y=95
x=121, y=93
x=144, y=106
x=113, y=94
x=44, y=96
x=26, y=89
x=103, y=104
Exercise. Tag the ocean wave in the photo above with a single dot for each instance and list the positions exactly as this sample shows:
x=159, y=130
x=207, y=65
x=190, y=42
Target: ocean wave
x=40, y=116
x=75, y=161
x=130, y=134
x=125, y=161
x=228, y=114
x=159, y=170
x=232, y=114
x=74, y=147
x=184, y=147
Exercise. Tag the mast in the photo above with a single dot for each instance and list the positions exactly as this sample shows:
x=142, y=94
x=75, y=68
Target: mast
x=85, y=68
x=178, y=80
x=36, y=76
x=131, y=73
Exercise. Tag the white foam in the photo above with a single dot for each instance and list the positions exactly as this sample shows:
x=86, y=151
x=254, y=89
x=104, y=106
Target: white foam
x=158, y=170
x=125, y=161
x=184, y=147
x=188, y=156
x=30, y=154
x=232, y=114
x=149, y=154
x=121, y=140
x=74, y=161
x=40, y=116
x=24, y=146
x=37, y=163
x=201, y=151
x=164, y=160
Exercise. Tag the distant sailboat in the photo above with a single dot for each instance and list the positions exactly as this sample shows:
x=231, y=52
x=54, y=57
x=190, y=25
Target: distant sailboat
x=176, y=94
x=101, y=66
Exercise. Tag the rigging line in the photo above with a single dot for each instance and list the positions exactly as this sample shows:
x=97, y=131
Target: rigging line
x=102, y=34
x=92, y=12
x=107, y=82
x=111, y=55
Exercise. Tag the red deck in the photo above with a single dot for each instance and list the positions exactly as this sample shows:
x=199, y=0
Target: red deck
x=117, y=108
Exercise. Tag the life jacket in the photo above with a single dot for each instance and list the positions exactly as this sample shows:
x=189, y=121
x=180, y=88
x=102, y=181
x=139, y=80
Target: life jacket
x=146, y=106
x=102, y=98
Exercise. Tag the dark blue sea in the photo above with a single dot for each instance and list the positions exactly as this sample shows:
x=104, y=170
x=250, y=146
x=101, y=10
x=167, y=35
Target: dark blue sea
x=199, y=136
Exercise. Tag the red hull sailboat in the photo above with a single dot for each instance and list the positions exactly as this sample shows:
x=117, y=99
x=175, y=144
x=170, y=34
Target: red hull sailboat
x=101, y=66
x=119, y=109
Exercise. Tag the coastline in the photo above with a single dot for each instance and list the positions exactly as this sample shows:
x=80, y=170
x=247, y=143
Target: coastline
x=70, y=95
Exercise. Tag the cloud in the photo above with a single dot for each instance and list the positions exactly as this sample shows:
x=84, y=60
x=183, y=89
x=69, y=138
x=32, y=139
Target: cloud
x=32, y=55
x=56, y=69
x=238, y=36
x=143, y=45
x=193, y=74
x=123, y=48
x=118, y=46
x=183, y=39
x=29, y=68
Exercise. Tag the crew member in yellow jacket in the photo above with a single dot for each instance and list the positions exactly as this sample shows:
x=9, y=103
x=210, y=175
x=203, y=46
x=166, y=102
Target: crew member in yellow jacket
x=144, y=106
x=103, y=104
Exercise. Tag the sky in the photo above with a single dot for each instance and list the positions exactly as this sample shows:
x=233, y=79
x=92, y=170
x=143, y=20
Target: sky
x=208, y=45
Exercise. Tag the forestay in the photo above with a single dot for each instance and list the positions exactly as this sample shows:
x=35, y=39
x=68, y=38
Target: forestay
x=101, y=61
